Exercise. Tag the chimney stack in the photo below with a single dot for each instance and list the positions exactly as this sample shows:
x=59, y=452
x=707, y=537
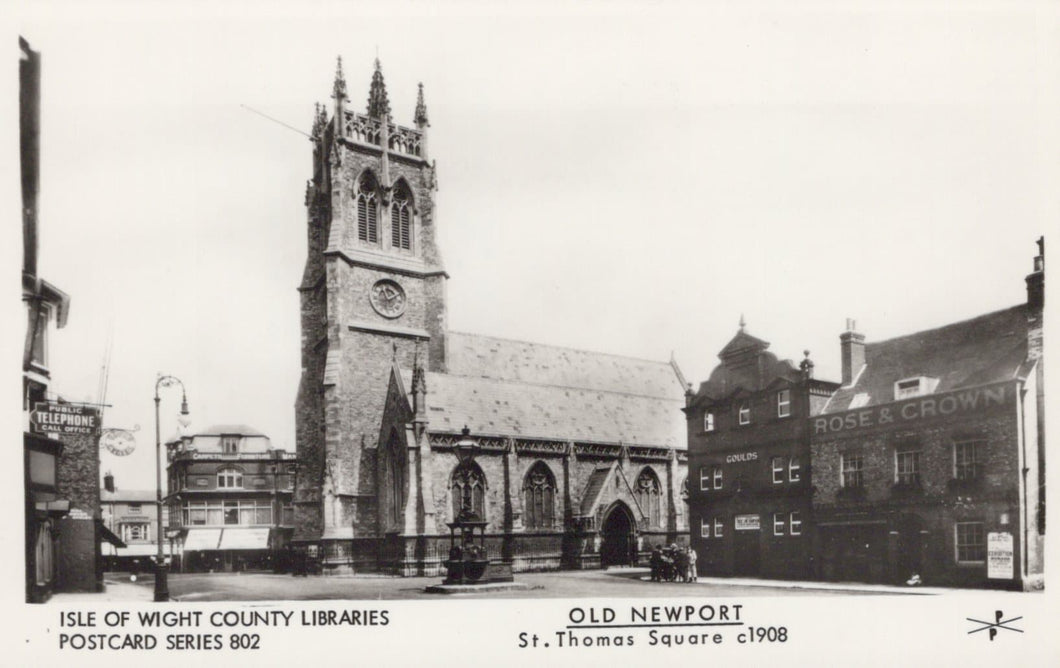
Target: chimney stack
x=1035, y=303
x=1036, y=279
x=852, y=347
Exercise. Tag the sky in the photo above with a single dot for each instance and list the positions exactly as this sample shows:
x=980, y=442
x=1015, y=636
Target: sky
x=630, y=178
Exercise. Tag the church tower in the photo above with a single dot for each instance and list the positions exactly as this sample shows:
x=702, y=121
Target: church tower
x=372, y=298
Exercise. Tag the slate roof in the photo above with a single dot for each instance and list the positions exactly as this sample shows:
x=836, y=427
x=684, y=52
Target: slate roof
x=128, y=495
x=500, y=387
x=986, y=349
x=506, y=359
x=593, y=487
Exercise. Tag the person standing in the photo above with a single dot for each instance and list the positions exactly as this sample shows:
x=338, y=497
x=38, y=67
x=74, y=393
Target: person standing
x=693, y=576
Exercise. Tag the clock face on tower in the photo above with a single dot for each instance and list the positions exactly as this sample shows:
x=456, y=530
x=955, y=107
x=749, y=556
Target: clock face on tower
x=387, y=298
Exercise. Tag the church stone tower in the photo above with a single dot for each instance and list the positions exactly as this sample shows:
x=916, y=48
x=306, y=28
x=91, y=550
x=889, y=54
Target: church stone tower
x=372, y=297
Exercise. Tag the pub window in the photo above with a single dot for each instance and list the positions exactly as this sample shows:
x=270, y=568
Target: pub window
x=745, y=413
x=967, y=459
x=708, y=421
x=704, y=478
x=970, y=542
x=907, y=467
x=230, y=478
x=784, y=403
x=367, y=224
x=717, y=477
x=795, y=523
x=704, y=528
x=794, y=470
x=778, y=524
x=778, y=469
x=853, y=470
x=135, y=532
x=718, y=528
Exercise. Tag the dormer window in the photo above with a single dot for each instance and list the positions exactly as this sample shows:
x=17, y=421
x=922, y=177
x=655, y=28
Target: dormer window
x=908, y=388
x=708, y=421
x=230, y=445
x=744, y=413
x=784, y=403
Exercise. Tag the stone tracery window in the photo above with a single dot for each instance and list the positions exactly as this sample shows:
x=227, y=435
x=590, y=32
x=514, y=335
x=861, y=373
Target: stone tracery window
x=401, y=217
x=468, y=489
x=649, y=496
x=539, y=495
x=367, y=223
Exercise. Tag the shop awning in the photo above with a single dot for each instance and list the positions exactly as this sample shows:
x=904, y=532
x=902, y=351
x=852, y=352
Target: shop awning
x=141, y=550
x=202, y=539
x=108, y=535
x=245, y=539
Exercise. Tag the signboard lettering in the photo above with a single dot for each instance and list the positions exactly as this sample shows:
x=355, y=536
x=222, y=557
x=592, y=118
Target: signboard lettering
x=741, y=457
x=911, y=410
x=1000, y=561
x=53, y=418
x=747, y=523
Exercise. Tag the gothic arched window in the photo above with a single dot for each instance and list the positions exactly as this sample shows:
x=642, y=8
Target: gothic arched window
x=367, y=225
x=539, y=497
x=469, y=490
x=649, y=496
x=401, y=218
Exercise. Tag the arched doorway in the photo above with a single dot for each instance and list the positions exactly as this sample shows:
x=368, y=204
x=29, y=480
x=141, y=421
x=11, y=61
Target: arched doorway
x=618, y=537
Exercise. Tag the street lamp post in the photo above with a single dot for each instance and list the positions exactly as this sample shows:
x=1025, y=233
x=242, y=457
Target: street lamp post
x=161, y=575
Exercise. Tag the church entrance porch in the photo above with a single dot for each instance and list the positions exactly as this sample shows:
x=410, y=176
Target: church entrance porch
x=618, y=537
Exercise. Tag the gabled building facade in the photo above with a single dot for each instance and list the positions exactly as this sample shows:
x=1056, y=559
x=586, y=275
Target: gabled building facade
x=581, y=459
x=929, y=460
x=131, y=515
x=750, y=486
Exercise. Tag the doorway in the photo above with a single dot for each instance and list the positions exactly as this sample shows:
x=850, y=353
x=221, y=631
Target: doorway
x=618, y=539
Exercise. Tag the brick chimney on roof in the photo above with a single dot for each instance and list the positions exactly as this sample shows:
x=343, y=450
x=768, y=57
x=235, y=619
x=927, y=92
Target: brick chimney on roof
x=1035, y=303
x=852, y=348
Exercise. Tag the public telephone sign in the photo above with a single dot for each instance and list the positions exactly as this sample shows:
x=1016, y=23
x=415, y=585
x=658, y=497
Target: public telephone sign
x=53, y=418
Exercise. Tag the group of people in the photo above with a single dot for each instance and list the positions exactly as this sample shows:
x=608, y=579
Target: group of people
x=673, y=564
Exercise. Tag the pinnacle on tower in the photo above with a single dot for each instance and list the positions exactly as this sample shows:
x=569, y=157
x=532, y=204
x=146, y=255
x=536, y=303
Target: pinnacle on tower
x=420, y=116
x=320, y=119
x=339, y=90
x=378, y=105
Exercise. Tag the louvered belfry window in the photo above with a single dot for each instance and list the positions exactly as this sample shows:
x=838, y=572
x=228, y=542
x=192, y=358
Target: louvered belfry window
x=400, y=217
x=367, y=225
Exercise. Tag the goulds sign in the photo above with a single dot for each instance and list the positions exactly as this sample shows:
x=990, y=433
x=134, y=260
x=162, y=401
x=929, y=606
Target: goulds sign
x=972, y=400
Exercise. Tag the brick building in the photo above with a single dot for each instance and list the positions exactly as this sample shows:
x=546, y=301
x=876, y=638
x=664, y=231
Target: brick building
x=61, y=470
x=750, y=495
x=230, y=499
x=131, y=515
x=929, y=460
x=580, y=462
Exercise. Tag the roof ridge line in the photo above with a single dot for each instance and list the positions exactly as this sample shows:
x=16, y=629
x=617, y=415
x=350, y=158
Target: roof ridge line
x=946, y=326
x=560, y=387
x=553, y=345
